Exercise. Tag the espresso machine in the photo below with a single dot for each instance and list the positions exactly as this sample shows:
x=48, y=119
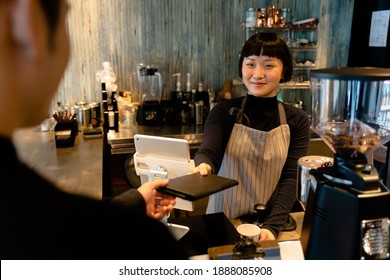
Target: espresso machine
x=150, y=92
x=348, y=207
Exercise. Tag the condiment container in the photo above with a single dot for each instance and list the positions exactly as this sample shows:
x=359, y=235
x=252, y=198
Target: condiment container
x=83, y=114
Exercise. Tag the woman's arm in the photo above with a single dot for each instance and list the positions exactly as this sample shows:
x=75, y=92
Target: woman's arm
x=216, y=134
x=285, y=194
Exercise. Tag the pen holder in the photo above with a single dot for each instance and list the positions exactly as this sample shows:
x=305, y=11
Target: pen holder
x=65, y=133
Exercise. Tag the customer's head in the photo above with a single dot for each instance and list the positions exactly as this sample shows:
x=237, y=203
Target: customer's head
x=51, y=9
x=268, y=44
x=34, y=51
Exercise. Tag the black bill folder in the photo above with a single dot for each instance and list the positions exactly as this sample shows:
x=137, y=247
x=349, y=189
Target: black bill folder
x=195, y=186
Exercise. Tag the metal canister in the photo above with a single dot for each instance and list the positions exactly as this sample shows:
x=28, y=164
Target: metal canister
x=83, y=114
x=95, y=114
x=305, y=164
x=199, y=113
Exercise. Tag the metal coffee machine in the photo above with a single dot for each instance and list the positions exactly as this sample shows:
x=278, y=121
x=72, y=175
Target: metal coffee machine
x=348, y=207
x=150, y=92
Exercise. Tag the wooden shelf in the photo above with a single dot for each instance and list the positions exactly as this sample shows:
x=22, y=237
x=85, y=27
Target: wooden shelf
x=286, y=28
x=300, y=67
x=291, y=85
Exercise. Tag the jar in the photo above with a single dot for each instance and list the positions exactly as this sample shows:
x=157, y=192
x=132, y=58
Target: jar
x=261, y=18
x=286, y=14
x=127, y=115
x=251, y=18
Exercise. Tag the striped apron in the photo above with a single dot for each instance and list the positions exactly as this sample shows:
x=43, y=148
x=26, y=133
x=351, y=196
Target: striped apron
x=255, y=159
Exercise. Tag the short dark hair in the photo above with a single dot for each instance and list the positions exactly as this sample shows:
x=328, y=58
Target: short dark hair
x=272, y=45
x=51, y=9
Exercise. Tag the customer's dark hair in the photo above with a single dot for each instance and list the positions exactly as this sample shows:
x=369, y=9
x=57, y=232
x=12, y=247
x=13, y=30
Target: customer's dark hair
x=51, y=8
x=272, y=45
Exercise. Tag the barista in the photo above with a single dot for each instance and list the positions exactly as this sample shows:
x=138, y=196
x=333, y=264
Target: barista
x=256, y=139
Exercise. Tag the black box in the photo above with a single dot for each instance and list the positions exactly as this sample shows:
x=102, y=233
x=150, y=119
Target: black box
x=65, y=133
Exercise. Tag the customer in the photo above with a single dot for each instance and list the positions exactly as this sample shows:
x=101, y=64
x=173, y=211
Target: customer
x=255, y=139
x=37, y=220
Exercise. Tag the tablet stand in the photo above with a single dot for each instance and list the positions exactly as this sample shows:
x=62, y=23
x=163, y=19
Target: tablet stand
x=151, y=168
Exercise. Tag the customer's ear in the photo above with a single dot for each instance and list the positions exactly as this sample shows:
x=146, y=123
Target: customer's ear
x=23, y=27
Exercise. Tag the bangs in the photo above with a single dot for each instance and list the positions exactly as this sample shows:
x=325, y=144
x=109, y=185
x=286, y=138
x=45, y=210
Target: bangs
x=268, y=44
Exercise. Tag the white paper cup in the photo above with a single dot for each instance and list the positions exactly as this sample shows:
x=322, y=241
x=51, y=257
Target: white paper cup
x=249, y=230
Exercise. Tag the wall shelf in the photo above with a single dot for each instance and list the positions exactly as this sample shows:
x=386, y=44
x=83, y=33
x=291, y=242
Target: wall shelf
x=304, y=85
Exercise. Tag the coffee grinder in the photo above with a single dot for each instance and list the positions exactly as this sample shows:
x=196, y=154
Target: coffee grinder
x=348, y=208
x=150, y=92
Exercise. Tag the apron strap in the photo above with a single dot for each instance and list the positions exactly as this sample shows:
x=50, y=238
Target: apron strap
x=241, y=111
x=282, y=113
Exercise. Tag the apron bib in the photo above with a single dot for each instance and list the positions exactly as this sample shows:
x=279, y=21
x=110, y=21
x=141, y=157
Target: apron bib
x=255, y=159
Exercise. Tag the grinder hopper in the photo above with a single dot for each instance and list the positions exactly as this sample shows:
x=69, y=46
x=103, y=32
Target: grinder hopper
x=348, y=207
x=351, y=113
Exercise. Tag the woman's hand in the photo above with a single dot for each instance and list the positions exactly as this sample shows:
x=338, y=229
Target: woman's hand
x=266, y=234
x=158, y=205
x=203, y=169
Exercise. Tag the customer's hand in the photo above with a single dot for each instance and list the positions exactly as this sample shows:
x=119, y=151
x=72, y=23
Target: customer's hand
x=157, y=204
x=203, y=169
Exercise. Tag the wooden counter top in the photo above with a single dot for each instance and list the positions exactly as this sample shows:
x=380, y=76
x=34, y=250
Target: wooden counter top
x=285, y=235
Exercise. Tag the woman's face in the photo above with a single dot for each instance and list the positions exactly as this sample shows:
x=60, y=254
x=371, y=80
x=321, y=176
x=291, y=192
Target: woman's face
x=261, y=75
